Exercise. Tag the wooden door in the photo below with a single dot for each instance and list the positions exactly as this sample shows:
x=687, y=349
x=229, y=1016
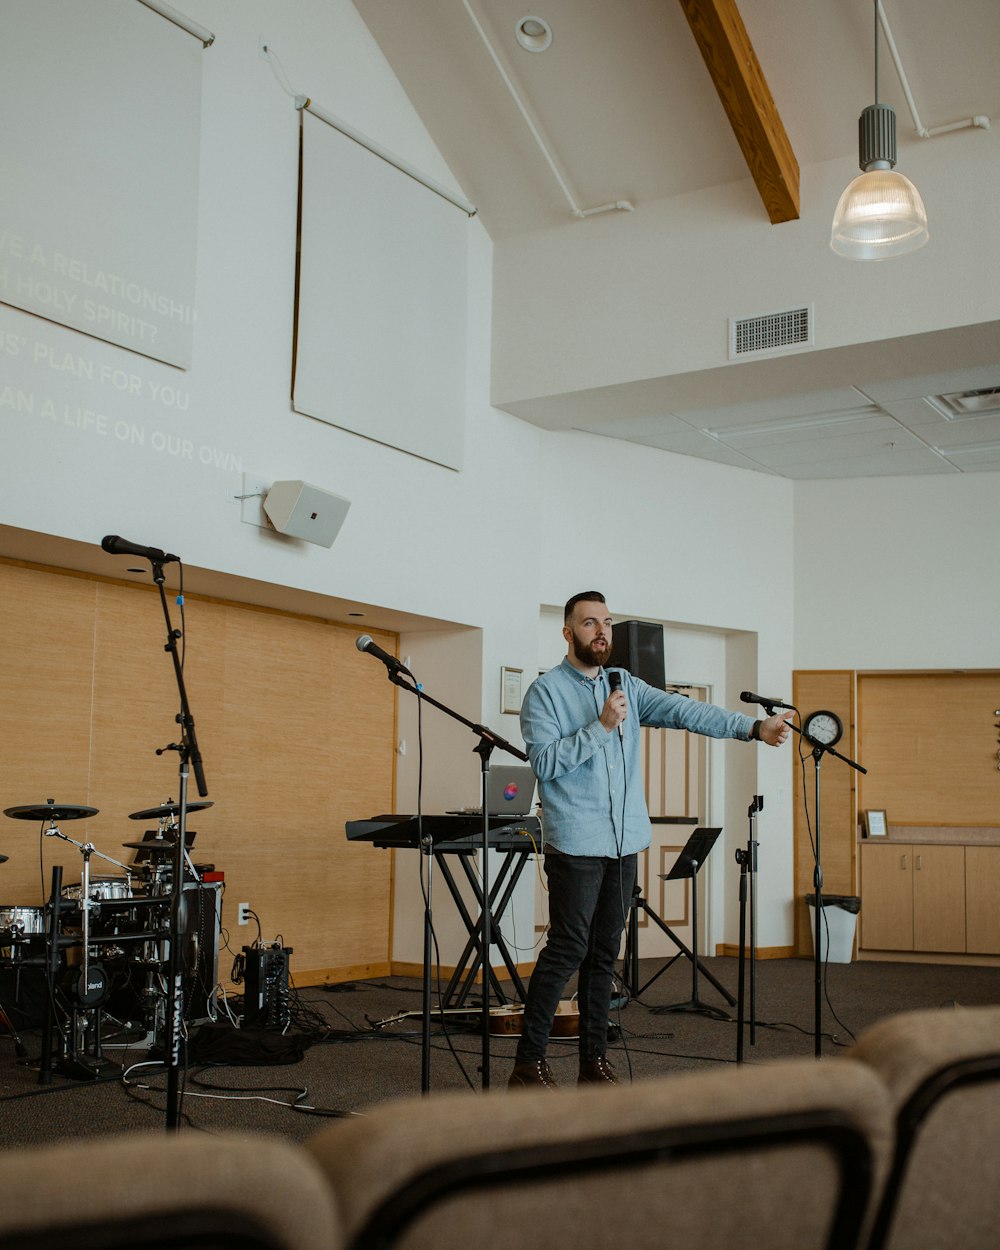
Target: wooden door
x=673, y=767
x=938, y=898
x=887, y=896
x=982, y=900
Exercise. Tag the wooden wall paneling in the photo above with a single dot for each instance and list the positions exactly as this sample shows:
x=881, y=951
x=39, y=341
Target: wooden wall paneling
x=46, y=675
x=929, y=741
x=306, y=747
x=296, y=730
x=831, y=691
x=136, y=703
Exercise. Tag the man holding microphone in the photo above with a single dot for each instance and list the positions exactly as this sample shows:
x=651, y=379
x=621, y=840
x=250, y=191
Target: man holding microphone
x=581, y=723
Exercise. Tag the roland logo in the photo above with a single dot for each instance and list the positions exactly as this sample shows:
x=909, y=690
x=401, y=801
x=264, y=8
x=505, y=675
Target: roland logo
x=95, y=982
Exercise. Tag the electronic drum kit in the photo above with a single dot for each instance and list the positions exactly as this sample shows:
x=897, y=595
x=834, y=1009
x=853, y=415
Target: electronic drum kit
x=104, y=941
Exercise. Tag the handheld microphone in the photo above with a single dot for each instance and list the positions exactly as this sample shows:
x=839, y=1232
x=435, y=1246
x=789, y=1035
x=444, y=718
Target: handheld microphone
x=367, y=643
x=615, y=683
x=122, y=547
x=749, y=697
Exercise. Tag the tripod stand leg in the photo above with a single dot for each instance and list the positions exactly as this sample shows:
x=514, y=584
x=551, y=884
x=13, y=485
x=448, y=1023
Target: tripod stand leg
x=7, y=1023
x=683, y=950
x=694, y=1003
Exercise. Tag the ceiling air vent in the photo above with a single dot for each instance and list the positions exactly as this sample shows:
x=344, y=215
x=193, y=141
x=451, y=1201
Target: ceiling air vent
x=958, y=404
x=771, y=333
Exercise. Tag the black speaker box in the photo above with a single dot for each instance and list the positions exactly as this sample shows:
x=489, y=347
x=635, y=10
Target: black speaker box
x=200, y=949
x=638, y=647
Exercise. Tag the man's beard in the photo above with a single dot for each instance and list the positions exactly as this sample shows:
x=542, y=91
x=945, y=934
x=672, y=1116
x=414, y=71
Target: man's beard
x=586, y=654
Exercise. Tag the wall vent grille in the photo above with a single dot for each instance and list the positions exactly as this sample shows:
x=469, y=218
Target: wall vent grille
x=772, y=332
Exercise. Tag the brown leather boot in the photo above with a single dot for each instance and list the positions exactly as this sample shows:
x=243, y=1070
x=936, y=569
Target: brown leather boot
x=597, y=1072
x=531, y=1074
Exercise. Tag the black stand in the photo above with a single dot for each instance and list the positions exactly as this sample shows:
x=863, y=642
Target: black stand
x=51, y=968
x=8, y=1024
x=691, y=858
x=747, y=861
x=818, y=751
x=484, y=749
x=630, y=966
x=471, y=959
x=187, y=749
x=90, y=987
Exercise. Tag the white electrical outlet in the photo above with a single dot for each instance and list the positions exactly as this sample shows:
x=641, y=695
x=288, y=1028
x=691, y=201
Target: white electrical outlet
x=254, y=489
x=243, y=913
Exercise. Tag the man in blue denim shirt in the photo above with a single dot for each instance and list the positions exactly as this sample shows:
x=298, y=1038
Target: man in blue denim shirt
x=583, y=742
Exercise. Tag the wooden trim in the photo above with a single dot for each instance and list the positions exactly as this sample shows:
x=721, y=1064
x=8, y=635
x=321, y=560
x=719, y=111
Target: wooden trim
x=739, y=80
x=334, y=976
x=400, y=968
x=763, y=952
x=923, y=957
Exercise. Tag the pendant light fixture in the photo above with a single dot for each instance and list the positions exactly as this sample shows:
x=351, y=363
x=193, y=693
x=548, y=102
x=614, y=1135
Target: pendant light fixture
x=881, y=213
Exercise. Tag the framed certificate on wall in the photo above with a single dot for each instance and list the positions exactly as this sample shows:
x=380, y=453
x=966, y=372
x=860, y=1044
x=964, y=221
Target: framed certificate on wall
x=510, y=690
x=876, y=825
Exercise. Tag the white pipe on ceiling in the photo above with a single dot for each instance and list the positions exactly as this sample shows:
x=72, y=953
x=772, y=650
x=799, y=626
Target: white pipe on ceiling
x=980, y=121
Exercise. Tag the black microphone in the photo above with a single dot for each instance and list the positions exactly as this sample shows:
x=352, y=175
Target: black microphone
x=615, y=683
x=749, y=697
x=367, y=643
x=122, y=547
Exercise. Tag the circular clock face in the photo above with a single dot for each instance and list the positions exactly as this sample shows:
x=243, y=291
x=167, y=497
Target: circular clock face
x=823, y=727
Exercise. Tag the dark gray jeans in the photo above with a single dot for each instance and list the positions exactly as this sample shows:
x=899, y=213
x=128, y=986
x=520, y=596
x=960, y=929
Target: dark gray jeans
x=589, y=898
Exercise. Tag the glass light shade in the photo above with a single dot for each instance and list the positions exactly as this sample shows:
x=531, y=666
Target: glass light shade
x=879, y=215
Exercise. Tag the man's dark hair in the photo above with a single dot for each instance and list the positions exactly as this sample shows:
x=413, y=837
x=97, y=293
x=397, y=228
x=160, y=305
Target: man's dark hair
x=591, y=596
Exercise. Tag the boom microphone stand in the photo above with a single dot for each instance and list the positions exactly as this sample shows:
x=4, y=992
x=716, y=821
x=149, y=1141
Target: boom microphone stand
x=190, y=756
x=488, y=740
x=819, y=749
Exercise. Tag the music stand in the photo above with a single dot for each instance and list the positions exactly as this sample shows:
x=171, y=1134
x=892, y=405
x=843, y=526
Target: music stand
x=691, y=858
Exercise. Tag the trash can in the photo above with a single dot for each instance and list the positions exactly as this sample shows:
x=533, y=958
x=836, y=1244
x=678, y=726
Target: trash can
x=837, y=926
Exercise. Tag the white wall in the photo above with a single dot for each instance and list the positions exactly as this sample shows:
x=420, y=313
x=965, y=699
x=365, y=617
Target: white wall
x=648, y=294
x=898, y=573
x=532, y=517
x=694, y=545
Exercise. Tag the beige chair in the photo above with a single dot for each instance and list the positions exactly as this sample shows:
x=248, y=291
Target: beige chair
x=942, y=1070
x=159, y=1191
x=783, y=1156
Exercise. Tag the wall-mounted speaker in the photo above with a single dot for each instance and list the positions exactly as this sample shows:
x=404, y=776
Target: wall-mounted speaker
x=303, y=511
x=638, y=647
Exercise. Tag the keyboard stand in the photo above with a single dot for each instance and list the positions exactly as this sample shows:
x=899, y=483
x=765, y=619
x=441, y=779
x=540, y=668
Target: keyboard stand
x=506, y=880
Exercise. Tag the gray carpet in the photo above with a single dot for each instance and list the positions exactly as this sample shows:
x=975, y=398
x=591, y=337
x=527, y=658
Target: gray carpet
x=350, y=1065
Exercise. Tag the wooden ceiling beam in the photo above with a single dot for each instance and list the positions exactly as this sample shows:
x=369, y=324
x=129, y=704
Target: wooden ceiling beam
x=726, y=48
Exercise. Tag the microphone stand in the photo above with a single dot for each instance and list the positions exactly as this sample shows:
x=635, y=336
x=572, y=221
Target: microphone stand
x=488, y=740
x=819, y=749
x=747, y=861
x=189, y=754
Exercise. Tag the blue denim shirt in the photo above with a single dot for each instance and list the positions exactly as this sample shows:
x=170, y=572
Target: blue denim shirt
x=589, y=780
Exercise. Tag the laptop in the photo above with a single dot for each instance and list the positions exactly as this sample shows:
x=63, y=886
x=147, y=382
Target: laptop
x=509, y=791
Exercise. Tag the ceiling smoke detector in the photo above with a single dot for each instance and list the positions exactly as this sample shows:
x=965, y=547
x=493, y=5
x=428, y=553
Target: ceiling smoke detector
x=533, y=34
